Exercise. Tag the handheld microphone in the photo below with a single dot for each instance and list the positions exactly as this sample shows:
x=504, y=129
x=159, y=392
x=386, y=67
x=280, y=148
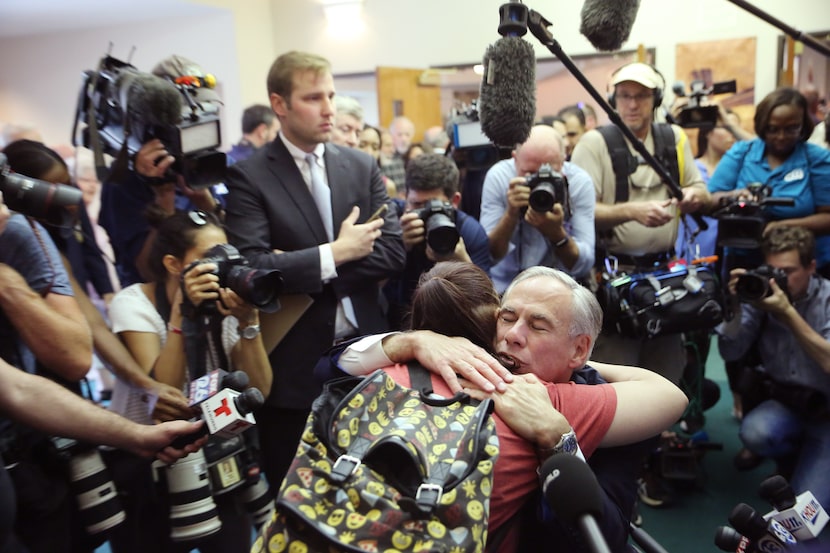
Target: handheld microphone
x=607, y=23
x=802, y=515
x=507, y=98
x=765, y=535
x=572, y=491
x=729, y=539
x=225, y=405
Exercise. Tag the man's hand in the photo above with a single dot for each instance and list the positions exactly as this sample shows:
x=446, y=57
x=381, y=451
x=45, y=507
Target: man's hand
x=153, y=159
x=171, y=404
x=694, y=199
x=355, y=241
x=448, y=356
x=777, y=302
x=549, y=223
x=157, y=438
x=652, y=214
x=458, y=254
x=526, y=408
x=518, y=194
x=413, y=229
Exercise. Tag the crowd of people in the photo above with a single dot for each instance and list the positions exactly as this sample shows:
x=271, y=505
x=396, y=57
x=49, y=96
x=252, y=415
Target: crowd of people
x=377, y=265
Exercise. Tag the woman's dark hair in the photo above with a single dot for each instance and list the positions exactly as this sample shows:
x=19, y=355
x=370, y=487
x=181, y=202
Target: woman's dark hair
x=783, y=96
x=368, y=127
x=32, y=159
x=174, y=236
x=456, y=299
x=703, y=139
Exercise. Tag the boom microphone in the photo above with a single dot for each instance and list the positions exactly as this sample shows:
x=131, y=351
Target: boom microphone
x=507, y=98
x=607, y=23
x=572, y=491
x=149, y=98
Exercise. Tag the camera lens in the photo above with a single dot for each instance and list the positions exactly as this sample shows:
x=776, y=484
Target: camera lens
x=752, y=287
x=260, y=287
x=258, y=501
x=97, y=497
x=193, y=513
x=442, y=235
x=542, y=197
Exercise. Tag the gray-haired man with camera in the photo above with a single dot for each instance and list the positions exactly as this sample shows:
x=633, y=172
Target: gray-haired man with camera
x=522, y=233
x=791, y=328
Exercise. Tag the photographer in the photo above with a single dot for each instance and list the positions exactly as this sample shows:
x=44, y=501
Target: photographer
x=149, y=318
x=521, y=237
x=433, y=222
x=149, y=186
x=790, y=325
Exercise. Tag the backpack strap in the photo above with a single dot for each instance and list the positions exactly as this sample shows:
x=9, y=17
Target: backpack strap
x=664, y=149
x=623, y=163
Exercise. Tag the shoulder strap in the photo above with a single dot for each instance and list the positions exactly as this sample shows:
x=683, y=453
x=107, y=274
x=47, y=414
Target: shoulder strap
x=622, y=161
x=665, y=150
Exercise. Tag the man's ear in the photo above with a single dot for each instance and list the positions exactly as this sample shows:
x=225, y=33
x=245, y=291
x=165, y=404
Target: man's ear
x=581, y=351
x=278, y=104
x=456, y=200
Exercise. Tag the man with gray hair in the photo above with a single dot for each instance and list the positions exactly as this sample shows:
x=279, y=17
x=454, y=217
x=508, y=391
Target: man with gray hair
x=348, y=121
x=402, y=130
x=561, y=236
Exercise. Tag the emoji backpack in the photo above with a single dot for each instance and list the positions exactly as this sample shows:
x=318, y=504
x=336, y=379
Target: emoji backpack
x=381, y=467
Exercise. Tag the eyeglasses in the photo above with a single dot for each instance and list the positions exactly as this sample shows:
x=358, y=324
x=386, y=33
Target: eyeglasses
x=198, y=218
x=789, y=130
x=639, y=98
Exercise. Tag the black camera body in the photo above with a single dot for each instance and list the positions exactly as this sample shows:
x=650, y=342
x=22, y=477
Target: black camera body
x=548, y=187
x=439, y=222
x=43, y=200
x=260, y=287
x=695, y=115
x=124, y=108
x=741, y=222
x=754, y=284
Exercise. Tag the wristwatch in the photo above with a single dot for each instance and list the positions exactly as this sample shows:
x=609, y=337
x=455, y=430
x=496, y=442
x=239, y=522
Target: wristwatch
x=249, y=332
x=567, y=444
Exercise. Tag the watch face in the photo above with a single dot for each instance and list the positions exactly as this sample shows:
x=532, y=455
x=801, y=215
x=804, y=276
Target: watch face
x=250, y=332
x=569, y=446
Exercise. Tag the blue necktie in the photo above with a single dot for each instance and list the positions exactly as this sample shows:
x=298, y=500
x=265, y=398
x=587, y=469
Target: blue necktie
x=321, y=193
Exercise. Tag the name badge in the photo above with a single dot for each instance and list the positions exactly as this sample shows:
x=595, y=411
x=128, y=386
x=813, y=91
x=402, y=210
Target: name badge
x=795, y=174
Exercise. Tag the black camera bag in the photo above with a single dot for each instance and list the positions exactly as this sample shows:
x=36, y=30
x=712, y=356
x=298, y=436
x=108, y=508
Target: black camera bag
x=663, y=302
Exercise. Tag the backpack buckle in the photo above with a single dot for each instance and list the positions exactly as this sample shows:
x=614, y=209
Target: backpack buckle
x=428, y=496
x=343, y=467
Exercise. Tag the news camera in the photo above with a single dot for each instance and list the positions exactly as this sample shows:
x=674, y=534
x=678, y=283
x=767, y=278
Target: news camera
x=741, y=221
x=439, y=223
x=470, y=146
x=259, y=287
x=36, y=198
x=694, y=114
x=548, y=187
x=123, y=108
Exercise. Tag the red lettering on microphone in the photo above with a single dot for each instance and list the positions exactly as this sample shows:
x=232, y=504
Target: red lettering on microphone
x=224, y=409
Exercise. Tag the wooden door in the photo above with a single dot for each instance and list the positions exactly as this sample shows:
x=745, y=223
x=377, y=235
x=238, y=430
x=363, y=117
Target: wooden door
x=400, y=92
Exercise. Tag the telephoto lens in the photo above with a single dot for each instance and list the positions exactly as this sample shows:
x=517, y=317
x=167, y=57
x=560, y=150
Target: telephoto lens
x=258, y=501
x=94, y=489
x=193, y=513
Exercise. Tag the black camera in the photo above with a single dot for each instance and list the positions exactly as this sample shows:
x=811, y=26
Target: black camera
x=439, y=222
x=741, y=222
x=124, y=108
x=260, y=287
x=470, y=146
x=754, y=284
x=693, y=114
x=89, y=479
x=548, y=187
x=53, y=203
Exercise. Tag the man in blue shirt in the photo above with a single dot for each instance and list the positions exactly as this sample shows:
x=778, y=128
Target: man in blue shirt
x=432, y=177
x=792, y=331
x=521, y=237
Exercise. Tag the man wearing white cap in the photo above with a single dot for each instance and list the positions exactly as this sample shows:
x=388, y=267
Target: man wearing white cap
x=641, y=231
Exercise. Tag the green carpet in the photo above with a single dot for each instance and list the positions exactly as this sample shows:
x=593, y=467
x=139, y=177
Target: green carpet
x=689, y=524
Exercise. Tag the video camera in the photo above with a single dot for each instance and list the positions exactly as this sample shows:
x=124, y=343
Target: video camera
x=471, y=147
x=695, y=115
x=259, y=287
x=439, y=223
x=124, y=108
x=37, y=198
x=741, y=222
x=548, y=187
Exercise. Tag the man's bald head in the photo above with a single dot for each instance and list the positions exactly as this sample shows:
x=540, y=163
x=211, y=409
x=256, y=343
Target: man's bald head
x=544, y=145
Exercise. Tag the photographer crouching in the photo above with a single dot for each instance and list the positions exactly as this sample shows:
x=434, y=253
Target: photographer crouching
x=198, y=317
x=784, y=308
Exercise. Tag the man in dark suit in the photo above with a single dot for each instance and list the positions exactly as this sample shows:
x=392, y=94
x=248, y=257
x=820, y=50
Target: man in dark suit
x=301, y=205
